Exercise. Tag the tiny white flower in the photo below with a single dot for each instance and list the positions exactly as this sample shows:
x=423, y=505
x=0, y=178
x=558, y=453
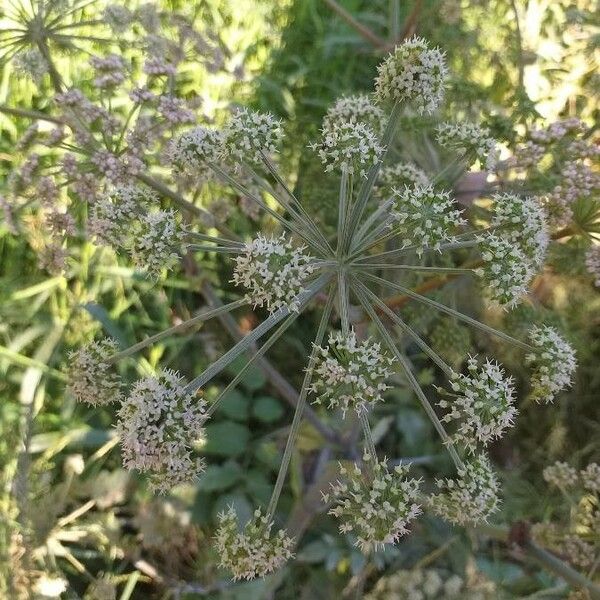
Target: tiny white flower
x=561, y=475
x=471, y=139
x=195, y=149
x=355, y=109
x=250, y=133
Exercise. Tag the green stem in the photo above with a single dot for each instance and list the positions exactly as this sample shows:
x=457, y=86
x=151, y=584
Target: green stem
x=369, y=443
x=200, y=318
x=291, y=441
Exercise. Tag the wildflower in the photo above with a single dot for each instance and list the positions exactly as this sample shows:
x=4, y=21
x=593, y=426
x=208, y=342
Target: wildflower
x=413, y=73
x=375, y=504
x=250, y=133
x=156, y=245
x=159, y=422
x=52, y=257
x=31, y=63
x=471, y=139
x=355, y=109
x=482, y=403
x=561, y=475
x=471, y=497
x=553, y=360
x=590, y=476
x=425, y=217
x=117, y=17
x=522, y=221
x=174, y=110
x=92, y=379
x=140, y=95
x=451, y=341
x=195, y=149
x=253, y=552
x=350, y=374
x=399, y=176
x=110, y=71
x=156, y=66
x=273, y=272
x=28, y=138
x=506, y=270
x=350, y=147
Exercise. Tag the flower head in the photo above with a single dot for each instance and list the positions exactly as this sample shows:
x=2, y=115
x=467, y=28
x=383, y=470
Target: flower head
x=350, y=374
x=425, y=217
x=590, y=477
x=375, y=503
x=253, y=552
x=523, y=221
x=471, y=139
x=159, y=422
x=157, y=244
x=399, y=176
x=195, y=149
x=553, y=360
x=413, y=73
x=506, y=270
x=482, y=404
x=91, y=376
x=471, y=497
x=355, y=109
x=350, y=147
x=117, y=17
x=273, y=272
x=250, y=133
x=592, y=262
x=561, y=475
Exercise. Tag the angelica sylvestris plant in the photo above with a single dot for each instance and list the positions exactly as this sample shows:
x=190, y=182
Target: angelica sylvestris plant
x=390, y=218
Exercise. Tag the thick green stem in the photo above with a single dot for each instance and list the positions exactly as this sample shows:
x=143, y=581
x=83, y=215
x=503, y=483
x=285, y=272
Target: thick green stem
x=295, y=427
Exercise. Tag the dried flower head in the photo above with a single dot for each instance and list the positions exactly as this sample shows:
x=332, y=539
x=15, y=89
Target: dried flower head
x=355, y=109
x=471, y=497
x=471, y=139
x=249, y=134
x=561, y=475
x=350, y=374
x=92, y=379
x=425, y=217
x=553, y=360
x=253, y=552
x=273, y=272
x=374, y=503
x=413, y=73
x=506, y=270
x=482, y=404
x=159, y=423
x=522, y=221
x=353, y=148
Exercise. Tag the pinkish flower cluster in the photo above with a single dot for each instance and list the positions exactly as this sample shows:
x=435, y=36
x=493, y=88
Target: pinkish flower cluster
x=110, y=71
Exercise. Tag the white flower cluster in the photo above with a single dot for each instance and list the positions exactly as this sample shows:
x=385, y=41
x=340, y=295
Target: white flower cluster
x=375, y=504
x=561, y=474
x=506, y=270
x=470, y=498
x=592, y=262
x=351, y=147
x=590, y=477
x=470, y=138
x=355, y=109
x=91, y=376
x=425, y=216
x=482, y=403
x=273, y=272
x=251, y=133
x=252, y=552
x=398, y=176
x=419, y=584
x=159, y=422
x=413, y=73
x=554, y=362
x=522, y=221
x=124, y=219
x=350, y=374
x=195, y=149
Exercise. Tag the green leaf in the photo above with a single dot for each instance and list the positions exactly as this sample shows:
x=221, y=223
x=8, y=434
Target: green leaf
x=267, y=409
x=314, y=552
x=226, y=439
x=220, y=477
x=258, y=486
x=238, y=500
x=254, y=379
x=234, y=405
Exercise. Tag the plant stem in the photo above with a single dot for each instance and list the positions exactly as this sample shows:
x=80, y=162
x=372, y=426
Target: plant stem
x=369, y=443
x=200, y=318
x=361, y=29
x=295, y=427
